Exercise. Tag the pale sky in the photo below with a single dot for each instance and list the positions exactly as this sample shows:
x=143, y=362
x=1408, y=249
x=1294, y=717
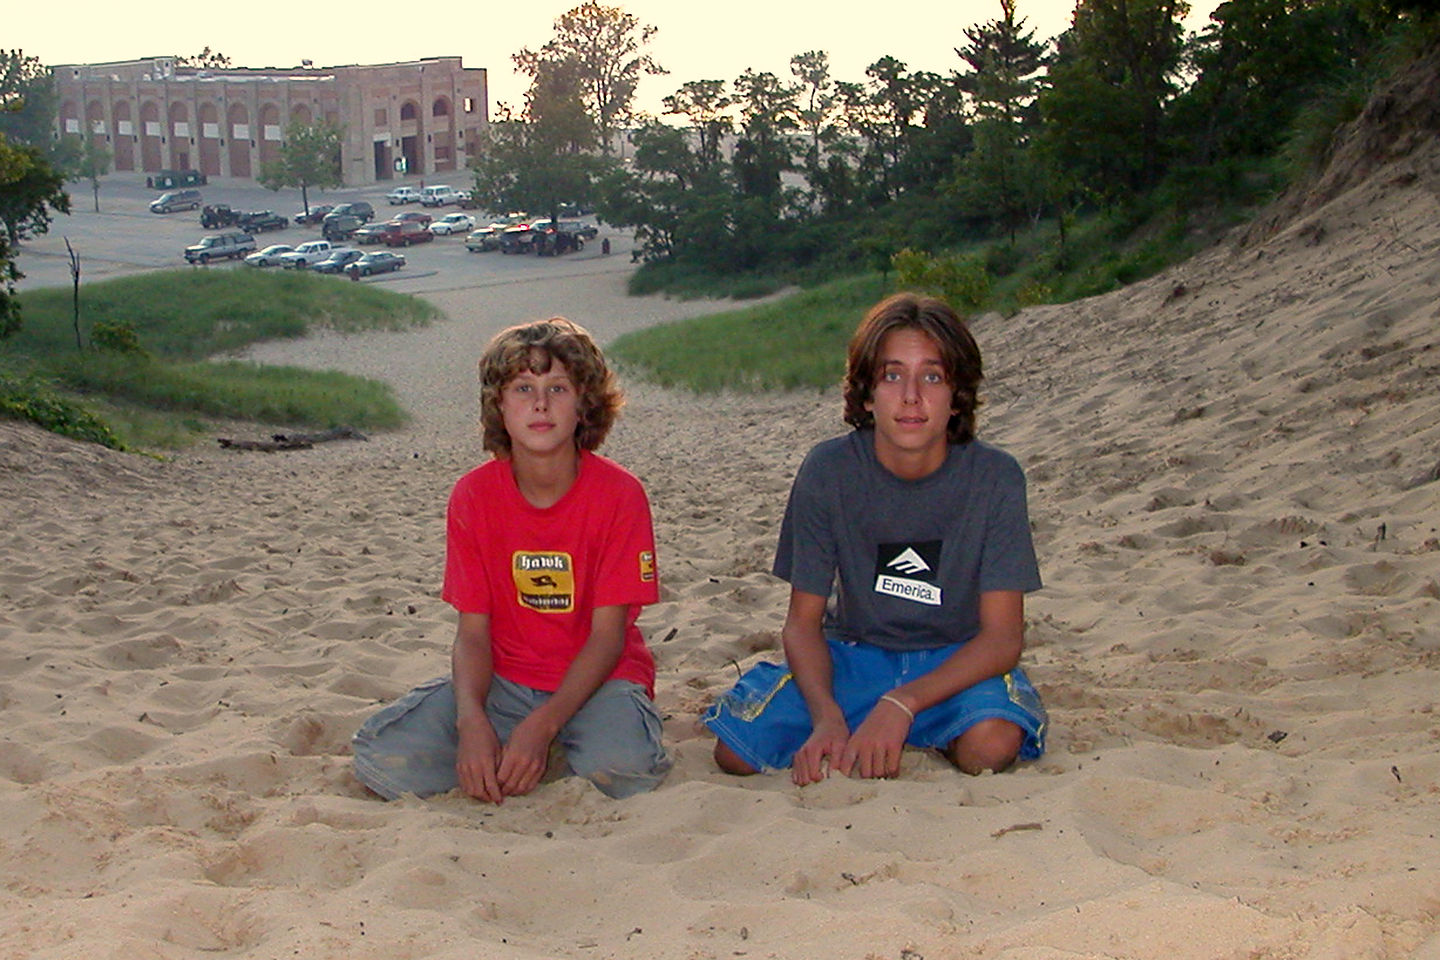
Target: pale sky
x=695, y=41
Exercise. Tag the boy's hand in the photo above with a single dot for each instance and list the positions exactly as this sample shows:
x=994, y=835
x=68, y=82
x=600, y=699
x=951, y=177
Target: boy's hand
x=523, y=761
x=477, y=760
x=825, y=747
x=875, y=749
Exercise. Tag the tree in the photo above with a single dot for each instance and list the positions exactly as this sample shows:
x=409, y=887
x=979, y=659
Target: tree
x=205, y=60
x=767, y=116
x=309, y=157
x=27, y=99
x=30, y=190
x=816, y=97
x=93, y=164
x=544, y=157
x=706, y=105
x=604, y=48
x=1113, y=75
x=1004, y=61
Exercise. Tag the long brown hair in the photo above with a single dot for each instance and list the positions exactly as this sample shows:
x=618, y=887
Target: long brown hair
x=959, y=355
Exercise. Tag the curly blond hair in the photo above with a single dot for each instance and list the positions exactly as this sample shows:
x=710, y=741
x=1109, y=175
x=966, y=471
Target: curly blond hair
x=534, y=347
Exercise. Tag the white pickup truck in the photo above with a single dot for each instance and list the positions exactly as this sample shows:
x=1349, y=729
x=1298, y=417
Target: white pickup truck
x=312, y=251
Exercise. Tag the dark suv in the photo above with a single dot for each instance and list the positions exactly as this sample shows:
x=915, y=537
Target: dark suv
x=259, y=221
x=359, y=208
x=334, y=228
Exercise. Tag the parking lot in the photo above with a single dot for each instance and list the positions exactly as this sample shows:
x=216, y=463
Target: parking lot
x=126, y=238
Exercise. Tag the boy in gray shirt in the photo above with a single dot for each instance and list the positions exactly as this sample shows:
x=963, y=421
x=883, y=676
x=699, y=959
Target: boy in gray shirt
x=919, y=533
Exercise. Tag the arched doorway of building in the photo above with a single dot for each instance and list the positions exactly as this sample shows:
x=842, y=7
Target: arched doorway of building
x=180, y=136
x=271, y=134
x=122, y=145
x=237, y=119
x=442, y=140
x=412, y=131
x=209, y=139
x=150, y=133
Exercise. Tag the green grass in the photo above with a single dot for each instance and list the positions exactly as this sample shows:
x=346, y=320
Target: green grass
x=794, y=343
x=190, y=314
x=799, y=342
x=164, y=395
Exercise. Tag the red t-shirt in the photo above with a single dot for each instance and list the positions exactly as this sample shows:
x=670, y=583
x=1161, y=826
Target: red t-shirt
x=540, y=573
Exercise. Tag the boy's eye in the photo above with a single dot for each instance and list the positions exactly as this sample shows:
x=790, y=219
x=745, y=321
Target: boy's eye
x=890, y=376
x=933, y=377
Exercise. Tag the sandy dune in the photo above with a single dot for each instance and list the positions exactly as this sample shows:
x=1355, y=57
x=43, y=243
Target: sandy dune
x=1233, y=483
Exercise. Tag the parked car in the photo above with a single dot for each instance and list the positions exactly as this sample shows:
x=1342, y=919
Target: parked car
x=314, y=215
x=216, y=215
x=259, y=221
x=339, y=258
x=402, y=233
x=173, y=200
x=403, y=195
x=231, y=245
x=557, y=240
x=334, y=228
x=484, y=239
x=370, y=233
x=466, y=200
x=312, y=251
x=453, y=223
x=581, y=229
x=522, y=236
x=270, y=256
x=421, y=218
x=356, y=208
x=169, y=179
x=437, y=195
x=377, y=261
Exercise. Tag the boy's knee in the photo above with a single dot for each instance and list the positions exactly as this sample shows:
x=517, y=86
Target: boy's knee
x=729, y=761
x=990, y=745
x=620, y=775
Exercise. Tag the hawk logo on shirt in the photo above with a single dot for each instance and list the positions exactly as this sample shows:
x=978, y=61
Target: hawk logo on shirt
x=907, y=571
x=544, y=580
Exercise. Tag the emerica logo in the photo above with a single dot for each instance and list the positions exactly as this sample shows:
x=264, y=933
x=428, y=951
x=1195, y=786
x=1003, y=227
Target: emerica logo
x=907, y=571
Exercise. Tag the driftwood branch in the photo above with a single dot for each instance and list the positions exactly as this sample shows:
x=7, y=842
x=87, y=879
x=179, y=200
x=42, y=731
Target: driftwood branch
x=292, y=441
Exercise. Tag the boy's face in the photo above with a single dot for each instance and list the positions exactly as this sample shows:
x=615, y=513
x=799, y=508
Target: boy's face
x=911, y=402
x=541, y=411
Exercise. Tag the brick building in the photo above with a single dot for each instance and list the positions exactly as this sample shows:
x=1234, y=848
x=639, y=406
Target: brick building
x=421, y=117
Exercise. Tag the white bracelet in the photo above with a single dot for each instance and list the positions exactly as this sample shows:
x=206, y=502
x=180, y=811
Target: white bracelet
x=908, y=712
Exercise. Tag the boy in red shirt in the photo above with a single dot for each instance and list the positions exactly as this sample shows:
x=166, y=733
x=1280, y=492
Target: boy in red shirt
x=549, y=556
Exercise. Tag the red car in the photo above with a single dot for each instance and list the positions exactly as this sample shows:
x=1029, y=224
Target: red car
x=402, y=233
x=413, y=215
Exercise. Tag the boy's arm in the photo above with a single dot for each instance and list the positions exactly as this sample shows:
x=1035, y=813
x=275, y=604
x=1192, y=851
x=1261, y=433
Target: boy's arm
x=523, y=762
x=808, y=657
x=478, y=756
x=875, y=748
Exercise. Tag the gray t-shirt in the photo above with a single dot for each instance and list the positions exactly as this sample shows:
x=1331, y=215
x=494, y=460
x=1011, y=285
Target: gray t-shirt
x=912, y=556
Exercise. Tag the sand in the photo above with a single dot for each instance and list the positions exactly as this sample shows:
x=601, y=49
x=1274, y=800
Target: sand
x=1233, y=487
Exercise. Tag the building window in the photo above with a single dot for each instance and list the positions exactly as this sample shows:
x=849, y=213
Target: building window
x=441, y=108
x=381, y=119
x=469, y=104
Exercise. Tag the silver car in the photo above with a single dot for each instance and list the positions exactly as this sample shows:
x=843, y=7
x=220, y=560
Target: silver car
x=270, y=256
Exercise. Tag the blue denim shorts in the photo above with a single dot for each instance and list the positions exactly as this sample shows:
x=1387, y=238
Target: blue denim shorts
x=410, y=746
x=765, y=721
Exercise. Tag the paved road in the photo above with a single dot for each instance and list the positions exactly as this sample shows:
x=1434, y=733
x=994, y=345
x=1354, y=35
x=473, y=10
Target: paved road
x=126, y=238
